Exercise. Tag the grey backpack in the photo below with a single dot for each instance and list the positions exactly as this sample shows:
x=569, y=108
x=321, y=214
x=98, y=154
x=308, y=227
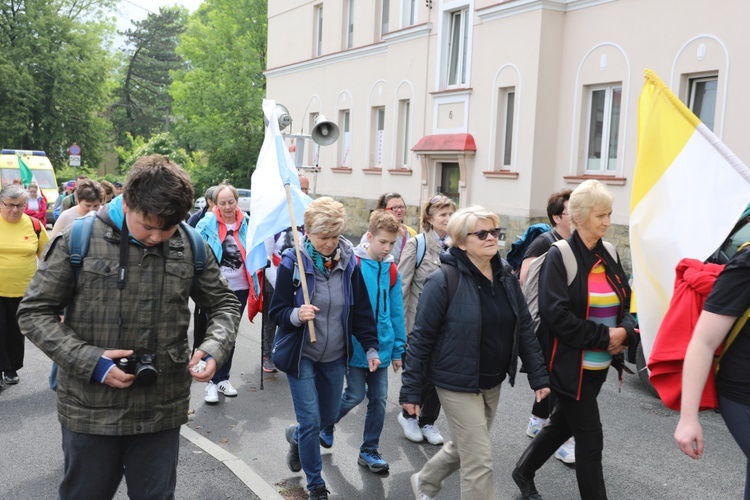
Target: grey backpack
x=531, y=285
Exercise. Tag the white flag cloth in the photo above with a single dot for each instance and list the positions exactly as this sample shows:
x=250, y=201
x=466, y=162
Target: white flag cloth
x=688, y=192
x=269, y=212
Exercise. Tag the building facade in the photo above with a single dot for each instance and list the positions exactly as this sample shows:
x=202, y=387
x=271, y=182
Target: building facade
x=497, y=103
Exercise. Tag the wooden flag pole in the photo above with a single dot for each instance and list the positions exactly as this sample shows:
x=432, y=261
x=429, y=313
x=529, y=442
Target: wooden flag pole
x=300, y=265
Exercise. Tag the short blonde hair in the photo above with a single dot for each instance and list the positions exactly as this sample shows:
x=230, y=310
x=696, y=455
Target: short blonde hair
x=325, y=216
x=465, y=220
x=382, y=220
x=587, y=195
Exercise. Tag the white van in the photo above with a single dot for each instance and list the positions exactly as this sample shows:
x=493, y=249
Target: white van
x=41, y=167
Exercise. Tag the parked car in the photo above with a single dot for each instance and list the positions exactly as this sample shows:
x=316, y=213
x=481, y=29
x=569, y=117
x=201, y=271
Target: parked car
x=244, y=200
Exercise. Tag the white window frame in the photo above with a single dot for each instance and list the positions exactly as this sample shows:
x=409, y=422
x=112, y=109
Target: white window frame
x=606, y=164
x=378, y=137
x=318, y=30
x=349, y=27
x=385, y=14
x=408, y=13
x=404, y=133
x=346, y=138
x=693, y=83
x=457, y=41
x=506, y=129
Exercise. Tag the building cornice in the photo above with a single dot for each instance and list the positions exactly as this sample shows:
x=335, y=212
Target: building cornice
x=514, y=8
x=408, y=33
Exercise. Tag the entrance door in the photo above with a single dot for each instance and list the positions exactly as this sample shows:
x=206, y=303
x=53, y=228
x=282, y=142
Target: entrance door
x=449, y=176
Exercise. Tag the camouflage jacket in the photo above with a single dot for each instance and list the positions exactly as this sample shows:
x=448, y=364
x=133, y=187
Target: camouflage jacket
x=150, y=312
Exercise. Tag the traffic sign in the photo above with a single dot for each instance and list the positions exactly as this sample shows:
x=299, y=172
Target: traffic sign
x=75, y=160
x=75, y=149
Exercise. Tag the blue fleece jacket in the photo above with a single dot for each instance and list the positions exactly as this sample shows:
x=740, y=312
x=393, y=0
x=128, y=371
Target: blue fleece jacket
x=388, y=306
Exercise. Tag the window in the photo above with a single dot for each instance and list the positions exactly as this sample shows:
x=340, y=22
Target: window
x=450, y=176
x=702, y=99
x=458, y=47
x=318, y=31
x=378, y=137
x=404, y=141
x=346, y=139
x=408, y=12
x=315, y=150
x=349, y=26
x=505, y=115
x=603, y=128
x=384, y=16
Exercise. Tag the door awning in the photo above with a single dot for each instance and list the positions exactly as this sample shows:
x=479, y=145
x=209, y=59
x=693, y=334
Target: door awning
x=445, y=142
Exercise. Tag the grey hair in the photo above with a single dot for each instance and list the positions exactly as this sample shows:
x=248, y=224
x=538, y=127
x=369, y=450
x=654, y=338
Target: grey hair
x=12, y=191
x=465, y=220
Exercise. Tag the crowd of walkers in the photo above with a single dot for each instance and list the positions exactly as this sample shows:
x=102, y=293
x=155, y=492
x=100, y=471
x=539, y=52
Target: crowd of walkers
x=441, y=308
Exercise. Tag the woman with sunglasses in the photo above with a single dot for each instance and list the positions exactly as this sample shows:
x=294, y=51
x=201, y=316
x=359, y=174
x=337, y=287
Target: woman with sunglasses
x=466, y=345
x=586, y=325
x=435, y=215
x=394, y=203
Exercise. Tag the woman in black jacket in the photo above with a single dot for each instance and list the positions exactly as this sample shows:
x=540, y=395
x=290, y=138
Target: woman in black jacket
x=465, y=342
x=586, y=325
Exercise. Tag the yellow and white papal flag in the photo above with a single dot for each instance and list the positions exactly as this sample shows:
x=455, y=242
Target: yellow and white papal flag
x=689, y=190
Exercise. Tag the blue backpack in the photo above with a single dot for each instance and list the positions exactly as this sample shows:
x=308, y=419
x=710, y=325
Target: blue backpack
x=518, y=248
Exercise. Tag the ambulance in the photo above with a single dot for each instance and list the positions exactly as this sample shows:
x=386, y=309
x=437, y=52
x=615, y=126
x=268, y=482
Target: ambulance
x=39, y=165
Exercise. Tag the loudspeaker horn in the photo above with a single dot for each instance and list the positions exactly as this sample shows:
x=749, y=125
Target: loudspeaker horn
x=324, y=132
x=282, y=114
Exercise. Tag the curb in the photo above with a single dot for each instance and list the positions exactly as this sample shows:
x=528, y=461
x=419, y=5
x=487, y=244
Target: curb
x=240, y=469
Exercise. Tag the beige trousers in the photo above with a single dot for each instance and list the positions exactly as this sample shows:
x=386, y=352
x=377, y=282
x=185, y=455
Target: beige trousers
x=469, y=417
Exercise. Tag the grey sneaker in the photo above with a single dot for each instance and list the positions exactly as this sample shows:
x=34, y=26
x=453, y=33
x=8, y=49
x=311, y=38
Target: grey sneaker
x=292, y=456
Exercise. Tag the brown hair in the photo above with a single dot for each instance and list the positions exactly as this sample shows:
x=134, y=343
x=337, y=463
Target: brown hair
x=382, y=220
x=435, y=204
x=158, y=187
x=556, y=204
x=89, y=190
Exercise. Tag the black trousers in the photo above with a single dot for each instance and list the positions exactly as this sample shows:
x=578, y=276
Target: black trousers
x=430, y=410
x=580, y=419
x=94, y=465
x=12, y=342
x=269, y=327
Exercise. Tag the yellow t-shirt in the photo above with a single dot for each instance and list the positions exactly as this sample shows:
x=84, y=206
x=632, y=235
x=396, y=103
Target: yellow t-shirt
x=19, y=248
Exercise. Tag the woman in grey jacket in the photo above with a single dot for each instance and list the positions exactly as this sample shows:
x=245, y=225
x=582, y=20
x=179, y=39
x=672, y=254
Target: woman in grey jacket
x=414, y=270
x=466, y=342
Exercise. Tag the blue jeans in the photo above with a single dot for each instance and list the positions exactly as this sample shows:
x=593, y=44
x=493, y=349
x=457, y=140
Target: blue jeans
x=223, y=372
x=376, y=384
x=737, y=417
x=316, y=394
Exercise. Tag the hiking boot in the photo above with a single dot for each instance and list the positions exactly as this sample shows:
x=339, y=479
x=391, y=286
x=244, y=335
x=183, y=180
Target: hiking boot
x=326, y=437
x=431, y=434
x=226, y=389
x=526, y=485
x=418, y=494
x=411, y=428
x=372, y=460
x=292, y=456
x=212, y=393
x=567, y=452
x=535, y=425
x=269, y=366
x=319, y=493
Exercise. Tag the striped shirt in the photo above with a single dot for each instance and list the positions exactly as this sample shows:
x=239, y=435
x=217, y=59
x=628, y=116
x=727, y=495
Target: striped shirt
x=604, y=305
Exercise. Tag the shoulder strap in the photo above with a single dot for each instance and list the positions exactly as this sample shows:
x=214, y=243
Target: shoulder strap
x=611, y=249
x=198, y=248
x=421, y=249
x=549, y=237
x=393, y=271
x=451, y=280
x=80, y=235
x=736, y=329
x=569, y=260
x=37, y=225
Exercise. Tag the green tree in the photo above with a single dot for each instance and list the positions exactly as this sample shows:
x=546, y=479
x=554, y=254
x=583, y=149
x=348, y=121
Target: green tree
x=143, y=102
x=55, y=76
x=217, y=98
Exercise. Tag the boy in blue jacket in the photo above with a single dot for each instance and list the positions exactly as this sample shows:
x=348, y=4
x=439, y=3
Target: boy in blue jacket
x=384, y=289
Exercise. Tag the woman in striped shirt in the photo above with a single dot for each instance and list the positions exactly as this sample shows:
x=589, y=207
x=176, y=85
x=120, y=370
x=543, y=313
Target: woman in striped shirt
x=586, y=325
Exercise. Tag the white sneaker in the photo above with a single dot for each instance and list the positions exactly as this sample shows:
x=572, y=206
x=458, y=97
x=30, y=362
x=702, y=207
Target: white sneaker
x=535, y=425
x=411, y=428
x=212, y=393
x=567, y=452
x=418, y=495
x=226, y=389
x=431, y=434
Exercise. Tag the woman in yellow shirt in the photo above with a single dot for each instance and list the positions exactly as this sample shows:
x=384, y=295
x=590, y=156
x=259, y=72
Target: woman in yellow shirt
x=20, y=245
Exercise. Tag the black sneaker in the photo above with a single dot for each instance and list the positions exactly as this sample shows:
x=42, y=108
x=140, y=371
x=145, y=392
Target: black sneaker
x=292, y=456
x=526, y=485
x=319, y=493
x=11, y=378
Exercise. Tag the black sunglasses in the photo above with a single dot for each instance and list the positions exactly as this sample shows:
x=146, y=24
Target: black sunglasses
x=482, y=234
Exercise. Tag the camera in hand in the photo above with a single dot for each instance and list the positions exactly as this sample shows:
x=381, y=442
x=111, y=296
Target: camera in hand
x=140, y=364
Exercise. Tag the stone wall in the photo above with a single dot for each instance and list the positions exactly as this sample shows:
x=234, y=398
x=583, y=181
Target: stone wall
x=358, y=215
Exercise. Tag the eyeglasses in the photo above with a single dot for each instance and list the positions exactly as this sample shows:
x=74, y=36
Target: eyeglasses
x=482, y=234
x=11, y=206
x=397, y=208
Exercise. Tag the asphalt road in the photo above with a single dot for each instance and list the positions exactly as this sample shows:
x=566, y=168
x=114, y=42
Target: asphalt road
x=641, y=460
